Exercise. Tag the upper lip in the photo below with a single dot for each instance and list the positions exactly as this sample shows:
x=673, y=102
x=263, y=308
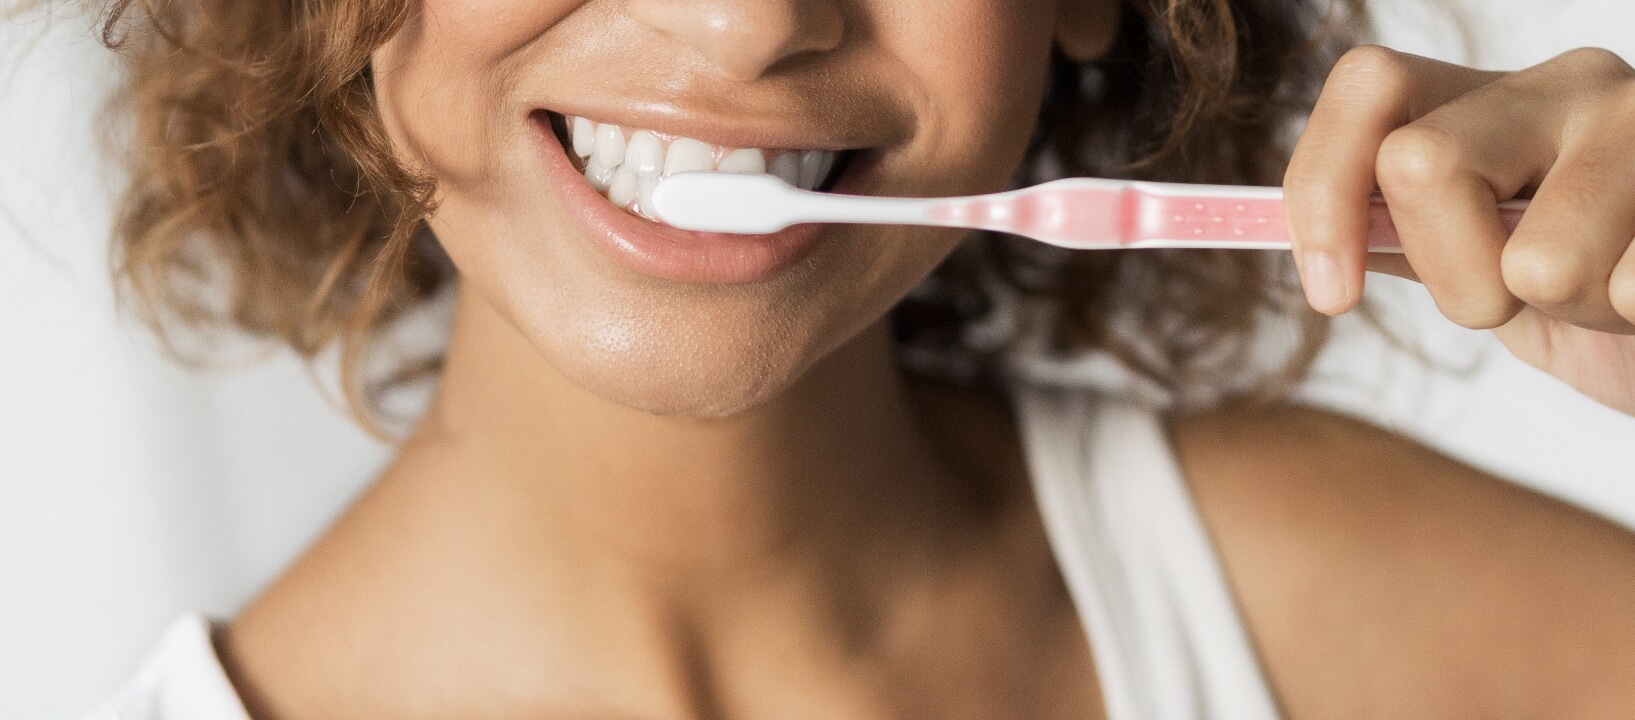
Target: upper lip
x=785, y=129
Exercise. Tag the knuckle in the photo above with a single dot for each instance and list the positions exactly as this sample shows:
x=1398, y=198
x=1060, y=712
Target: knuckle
x=1545, y=277
x=1369, y=74
x=1595, y=63
x=1620, y=108
x=1306, y=186
x=1622, y=294
x=1477, y=310
x=1419, y=156
x=1372, y=61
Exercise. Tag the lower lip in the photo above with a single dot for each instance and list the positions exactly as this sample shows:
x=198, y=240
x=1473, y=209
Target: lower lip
x=661, y=251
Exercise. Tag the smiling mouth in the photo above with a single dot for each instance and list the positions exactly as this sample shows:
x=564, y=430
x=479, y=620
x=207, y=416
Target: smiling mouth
x=625, y=164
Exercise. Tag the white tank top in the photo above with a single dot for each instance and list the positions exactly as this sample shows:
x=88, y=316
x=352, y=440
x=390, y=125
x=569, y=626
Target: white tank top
x=1164, y=631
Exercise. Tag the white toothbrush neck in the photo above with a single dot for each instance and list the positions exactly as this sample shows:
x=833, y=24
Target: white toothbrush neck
x=823, y=207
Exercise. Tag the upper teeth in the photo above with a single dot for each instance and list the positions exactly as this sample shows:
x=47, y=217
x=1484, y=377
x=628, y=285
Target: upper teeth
x=626, y=165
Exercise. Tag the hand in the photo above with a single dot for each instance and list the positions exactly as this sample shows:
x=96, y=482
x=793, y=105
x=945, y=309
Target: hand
x=1446, y=144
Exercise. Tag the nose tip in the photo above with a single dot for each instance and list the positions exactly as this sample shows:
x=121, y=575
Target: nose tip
x=745, y=38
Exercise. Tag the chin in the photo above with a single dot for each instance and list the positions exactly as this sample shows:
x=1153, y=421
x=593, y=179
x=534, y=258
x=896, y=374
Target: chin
x=684, y=363
x=684, y=394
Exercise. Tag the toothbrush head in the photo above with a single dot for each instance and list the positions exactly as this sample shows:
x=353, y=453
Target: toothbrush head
x=743, y=203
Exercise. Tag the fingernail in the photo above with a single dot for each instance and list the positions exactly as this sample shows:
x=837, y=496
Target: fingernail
x=1325, y=286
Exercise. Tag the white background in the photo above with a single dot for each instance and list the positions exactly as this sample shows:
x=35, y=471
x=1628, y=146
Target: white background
x=131, y=490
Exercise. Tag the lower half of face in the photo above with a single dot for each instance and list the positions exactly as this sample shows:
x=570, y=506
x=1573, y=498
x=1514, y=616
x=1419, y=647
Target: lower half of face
x=546, y=125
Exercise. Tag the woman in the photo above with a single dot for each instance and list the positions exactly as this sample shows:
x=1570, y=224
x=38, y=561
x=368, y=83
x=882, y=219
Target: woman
x=672, y=476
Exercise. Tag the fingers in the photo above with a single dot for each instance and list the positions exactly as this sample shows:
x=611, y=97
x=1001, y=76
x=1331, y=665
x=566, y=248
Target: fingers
x=1570, y=253
x=1621, y=289
x=1371, y=93
x=1445, y=145
x=1442, y=178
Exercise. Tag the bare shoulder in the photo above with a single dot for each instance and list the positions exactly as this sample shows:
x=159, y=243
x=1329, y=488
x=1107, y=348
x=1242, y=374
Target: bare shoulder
x=1381, y=578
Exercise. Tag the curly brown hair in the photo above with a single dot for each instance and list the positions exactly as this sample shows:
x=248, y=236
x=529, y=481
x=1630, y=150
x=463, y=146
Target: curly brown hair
x=266, y=197
x=1202, y=91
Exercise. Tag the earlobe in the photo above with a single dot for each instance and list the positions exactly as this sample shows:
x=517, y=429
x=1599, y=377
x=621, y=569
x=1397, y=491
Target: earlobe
x=1085, y=29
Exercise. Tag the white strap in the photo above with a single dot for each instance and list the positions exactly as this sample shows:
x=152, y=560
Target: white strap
x=1163, y=627
x=180, y=679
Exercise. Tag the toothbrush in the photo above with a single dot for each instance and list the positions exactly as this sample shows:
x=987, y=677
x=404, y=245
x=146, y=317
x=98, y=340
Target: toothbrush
x=1075, y=213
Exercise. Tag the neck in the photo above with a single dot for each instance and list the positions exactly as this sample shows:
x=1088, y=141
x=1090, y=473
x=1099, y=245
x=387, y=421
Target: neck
x=651, y=566
x=835, y=468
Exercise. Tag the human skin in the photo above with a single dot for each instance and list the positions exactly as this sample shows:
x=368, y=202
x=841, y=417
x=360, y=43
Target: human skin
x=1444, y=143
x=639, y=498
x=458, y=84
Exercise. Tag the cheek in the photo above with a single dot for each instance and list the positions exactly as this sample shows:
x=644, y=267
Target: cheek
x=981, y=67
x=990, y=54
x=441, y=82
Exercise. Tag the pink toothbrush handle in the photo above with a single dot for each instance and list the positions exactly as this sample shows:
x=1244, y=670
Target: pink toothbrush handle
x=1200, y=221
x=1086, y=213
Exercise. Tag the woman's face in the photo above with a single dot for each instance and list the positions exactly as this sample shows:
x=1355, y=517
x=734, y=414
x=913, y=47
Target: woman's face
x=902, y=97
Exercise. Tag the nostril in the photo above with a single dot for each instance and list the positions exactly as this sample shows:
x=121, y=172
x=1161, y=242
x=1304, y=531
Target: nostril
x=745, y=38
